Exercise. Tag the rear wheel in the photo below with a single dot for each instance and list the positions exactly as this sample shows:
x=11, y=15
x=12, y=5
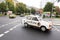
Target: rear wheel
x=43, y=28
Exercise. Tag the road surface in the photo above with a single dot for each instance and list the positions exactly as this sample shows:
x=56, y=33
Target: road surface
x=13, y=29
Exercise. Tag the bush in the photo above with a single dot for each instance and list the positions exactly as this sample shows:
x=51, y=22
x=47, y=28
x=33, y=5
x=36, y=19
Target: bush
x=58, y=16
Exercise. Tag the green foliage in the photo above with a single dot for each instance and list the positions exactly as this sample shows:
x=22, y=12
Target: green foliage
x=21, y=8
x=32, y=10
x=10, y=6
x=48, y=7
x=18, y=9
x=3, y=7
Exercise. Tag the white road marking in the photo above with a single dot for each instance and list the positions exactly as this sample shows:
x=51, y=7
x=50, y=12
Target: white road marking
x=3, y=25
x=14, y=27
x=9, y=23
x=1, y=35
x=11, y=29
x=6, y=32
x=56, y=29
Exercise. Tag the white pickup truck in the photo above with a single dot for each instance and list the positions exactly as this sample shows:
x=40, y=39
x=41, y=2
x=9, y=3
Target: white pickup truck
x=36, y=21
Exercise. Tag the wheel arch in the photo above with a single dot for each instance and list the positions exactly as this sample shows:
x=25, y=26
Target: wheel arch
x=43, y=26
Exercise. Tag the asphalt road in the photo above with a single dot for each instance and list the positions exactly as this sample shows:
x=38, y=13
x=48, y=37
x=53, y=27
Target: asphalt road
x=13, y=29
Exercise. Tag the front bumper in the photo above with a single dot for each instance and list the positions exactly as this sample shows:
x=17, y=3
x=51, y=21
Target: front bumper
x=49, y=28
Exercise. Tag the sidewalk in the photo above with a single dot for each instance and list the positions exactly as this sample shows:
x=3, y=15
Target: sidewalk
x=55, y=21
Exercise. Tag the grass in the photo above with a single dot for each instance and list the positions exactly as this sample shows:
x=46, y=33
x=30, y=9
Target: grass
x=1, y=15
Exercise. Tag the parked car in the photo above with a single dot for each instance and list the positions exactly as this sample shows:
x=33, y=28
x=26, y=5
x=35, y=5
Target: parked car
x=35, y=21
x=12, y=16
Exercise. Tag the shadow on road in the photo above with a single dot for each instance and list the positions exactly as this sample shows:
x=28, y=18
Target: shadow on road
x=36, y=30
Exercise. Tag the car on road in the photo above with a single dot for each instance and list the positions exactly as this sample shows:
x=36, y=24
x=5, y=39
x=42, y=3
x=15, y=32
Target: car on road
x=22, y=15
x=12, y=16
x=36, y=21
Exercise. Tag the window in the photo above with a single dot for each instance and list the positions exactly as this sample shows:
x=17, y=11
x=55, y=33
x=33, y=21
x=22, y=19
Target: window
x=35, y=19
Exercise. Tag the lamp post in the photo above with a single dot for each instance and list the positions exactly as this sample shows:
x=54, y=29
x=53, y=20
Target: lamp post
x=40, y=5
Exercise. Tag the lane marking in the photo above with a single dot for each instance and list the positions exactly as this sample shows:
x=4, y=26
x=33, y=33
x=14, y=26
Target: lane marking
x=6, y=32
x=2, y=25
x=11, y=29
x=56, y=29
x=1, y=35
x=9, y=23
x=14, y=27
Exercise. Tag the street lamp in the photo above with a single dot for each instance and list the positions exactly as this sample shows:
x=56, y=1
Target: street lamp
x=41, y=3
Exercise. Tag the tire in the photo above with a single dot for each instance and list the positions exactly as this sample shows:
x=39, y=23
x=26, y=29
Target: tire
x=25, y=24
x=43, y=28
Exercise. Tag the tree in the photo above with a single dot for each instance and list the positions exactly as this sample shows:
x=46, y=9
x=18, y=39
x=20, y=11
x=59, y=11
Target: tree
x=57, y=11
x=10, y=5
x=20, y=8
x=28, y=10
x=48, y=7
x=3, y=7
x=9, y=1
x=32, y=10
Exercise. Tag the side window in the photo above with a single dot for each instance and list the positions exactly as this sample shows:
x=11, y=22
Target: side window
x=35, y=19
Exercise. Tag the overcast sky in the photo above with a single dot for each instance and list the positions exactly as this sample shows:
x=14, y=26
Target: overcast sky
x=38, y=3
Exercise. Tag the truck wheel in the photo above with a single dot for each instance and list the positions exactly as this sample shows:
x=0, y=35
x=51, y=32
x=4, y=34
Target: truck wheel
x=43, y=28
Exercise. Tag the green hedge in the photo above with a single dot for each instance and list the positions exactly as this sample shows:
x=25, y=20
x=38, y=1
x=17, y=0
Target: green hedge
x=58, y=16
